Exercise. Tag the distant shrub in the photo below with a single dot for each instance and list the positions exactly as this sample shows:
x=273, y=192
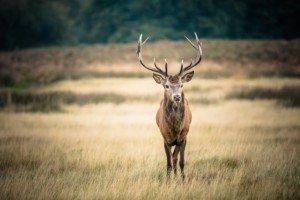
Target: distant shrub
x=288, y=95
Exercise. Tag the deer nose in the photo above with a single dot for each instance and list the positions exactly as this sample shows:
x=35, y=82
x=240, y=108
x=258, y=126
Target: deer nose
x=177, y=97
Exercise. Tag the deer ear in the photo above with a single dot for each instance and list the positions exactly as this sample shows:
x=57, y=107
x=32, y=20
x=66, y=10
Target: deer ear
x=158, y=78
x=187, y=77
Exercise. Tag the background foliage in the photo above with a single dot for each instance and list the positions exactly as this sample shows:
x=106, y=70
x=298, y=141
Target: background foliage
x=28, y=23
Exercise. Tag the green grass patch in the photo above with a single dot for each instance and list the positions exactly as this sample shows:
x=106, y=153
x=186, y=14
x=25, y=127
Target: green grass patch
x=288, y=96
x=229, y=163
x=22, y=101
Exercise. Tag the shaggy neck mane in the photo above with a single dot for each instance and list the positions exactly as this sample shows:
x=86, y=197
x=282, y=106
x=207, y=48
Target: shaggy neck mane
x=174, y=112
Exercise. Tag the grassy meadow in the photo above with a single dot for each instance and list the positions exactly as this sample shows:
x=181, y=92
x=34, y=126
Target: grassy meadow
x=79, y=123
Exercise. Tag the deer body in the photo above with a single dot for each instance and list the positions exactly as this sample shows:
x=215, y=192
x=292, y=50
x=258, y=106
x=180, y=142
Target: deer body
x=174, y=115
x=174, y=120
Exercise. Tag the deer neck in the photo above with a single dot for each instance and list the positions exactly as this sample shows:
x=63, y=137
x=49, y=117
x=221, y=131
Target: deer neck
x=174, y=112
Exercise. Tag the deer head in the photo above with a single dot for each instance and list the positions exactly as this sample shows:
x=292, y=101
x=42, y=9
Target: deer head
x=172, y=84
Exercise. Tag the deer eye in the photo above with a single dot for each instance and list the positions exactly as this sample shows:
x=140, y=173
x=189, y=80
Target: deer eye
x=181, y=85
x=167, y=86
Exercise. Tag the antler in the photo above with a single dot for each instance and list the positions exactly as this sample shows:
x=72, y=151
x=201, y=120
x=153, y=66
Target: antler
x=198, y=58
x=157, y=69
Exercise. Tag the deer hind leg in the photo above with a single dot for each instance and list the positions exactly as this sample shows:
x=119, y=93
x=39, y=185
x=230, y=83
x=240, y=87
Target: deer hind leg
x=175, y=158
x=181, y=161
x=169, y=155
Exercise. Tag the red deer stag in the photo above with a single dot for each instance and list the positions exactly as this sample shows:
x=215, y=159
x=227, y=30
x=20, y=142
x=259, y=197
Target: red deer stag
x=174, y=115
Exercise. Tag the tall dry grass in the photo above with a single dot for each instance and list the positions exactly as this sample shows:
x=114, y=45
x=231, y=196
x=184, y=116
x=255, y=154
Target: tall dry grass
x=236, y=150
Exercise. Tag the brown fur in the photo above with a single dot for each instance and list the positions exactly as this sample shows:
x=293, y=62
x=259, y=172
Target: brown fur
x=173, y=120
x=174, y=79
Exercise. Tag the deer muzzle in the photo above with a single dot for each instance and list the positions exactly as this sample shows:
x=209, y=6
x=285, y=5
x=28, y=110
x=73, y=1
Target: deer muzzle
x=177, y=97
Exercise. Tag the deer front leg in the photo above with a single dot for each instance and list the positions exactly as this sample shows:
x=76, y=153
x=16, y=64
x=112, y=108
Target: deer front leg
x=181, y=161
x=175, y=158
x=169, y=155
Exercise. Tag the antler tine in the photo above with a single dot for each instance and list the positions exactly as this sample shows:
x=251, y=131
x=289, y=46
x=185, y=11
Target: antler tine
x=198, y=43
x=181, y=67
x=145, y=40
x=154, y=61
x=166, y=67
x=138, y=51
x=191, y=43
x=198, y=57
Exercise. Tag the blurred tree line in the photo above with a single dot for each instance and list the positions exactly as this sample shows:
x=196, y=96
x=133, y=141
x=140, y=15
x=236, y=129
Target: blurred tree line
x=28, y=23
